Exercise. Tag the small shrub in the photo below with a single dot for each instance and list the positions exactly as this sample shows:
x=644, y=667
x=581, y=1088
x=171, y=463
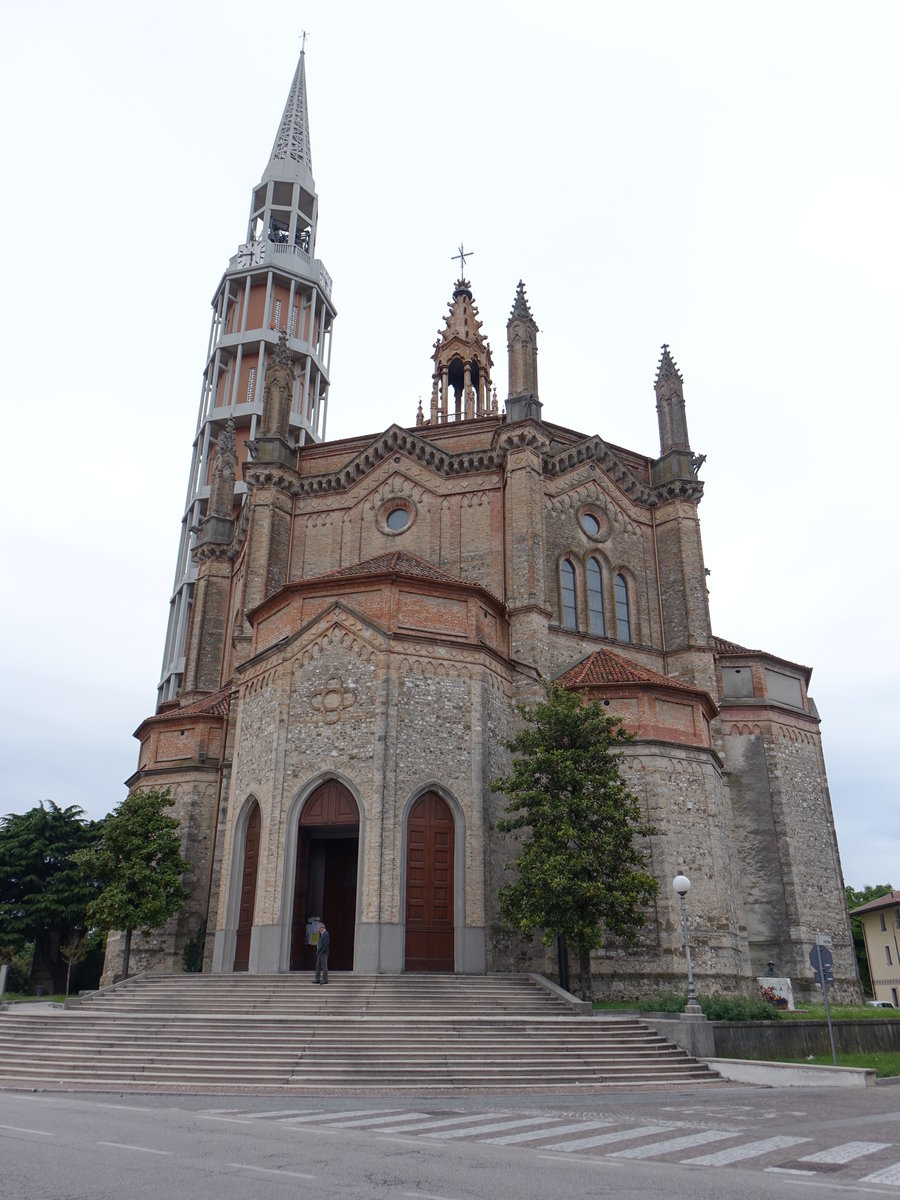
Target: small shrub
x=716, y=1008
x=737, y=1008
x=671, y=1003
x=19, y=962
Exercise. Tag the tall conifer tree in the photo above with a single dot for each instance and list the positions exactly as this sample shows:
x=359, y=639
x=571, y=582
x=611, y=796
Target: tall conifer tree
x=580, y=871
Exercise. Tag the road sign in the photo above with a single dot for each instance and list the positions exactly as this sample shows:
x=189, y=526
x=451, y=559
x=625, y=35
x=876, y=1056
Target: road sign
x=820, y=955
x=821, y=964
x=824, y=939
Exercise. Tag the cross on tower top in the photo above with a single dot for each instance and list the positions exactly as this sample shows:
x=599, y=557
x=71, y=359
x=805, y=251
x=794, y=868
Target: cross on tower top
x=303, y=36
x=462, y=256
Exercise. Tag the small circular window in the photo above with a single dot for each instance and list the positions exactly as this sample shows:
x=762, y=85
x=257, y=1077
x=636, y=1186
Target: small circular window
x=595, y=524
x=397, y=519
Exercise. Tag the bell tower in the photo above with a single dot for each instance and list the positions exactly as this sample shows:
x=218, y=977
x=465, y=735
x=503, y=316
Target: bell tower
x=461, y=380
x=273, y=285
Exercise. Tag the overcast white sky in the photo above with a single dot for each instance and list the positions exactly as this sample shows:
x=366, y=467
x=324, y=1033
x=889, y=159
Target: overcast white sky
x=721, y=176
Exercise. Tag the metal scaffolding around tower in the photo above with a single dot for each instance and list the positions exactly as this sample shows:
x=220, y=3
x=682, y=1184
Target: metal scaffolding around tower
x=272, y=283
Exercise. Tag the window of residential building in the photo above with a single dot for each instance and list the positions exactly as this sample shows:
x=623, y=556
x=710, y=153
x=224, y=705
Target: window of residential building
x=623, y=618
x=881, y=919
x=596, y=618
x=567, y=593
x=887, y=956
x=894, y=997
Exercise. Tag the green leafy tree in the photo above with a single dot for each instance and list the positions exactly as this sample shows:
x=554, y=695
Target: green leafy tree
x=137, y=867
x=854, y=900
x=72, y=952
x=43, y=892
x=579, y=870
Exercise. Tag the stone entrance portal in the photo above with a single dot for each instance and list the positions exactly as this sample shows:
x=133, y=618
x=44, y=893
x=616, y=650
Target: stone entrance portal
x=325, y=879
x=248, y=892
x=429, y=886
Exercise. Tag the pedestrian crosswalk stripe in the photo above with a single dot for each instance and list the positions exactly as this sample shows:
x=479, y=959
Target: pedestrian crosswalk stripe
x=498, y=1125
x=844, y=1153
x=335, y=1116
x=371, y=1120
x=607, y=1139
x=531, y=1135
x=889, y=1174
x=680, y=1143
x=282, y=1112
x=443, y=1123
x=749, y=1150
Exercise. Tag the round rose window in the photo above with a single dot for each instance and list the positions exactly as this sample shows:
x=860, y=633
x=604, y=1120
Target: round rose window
x=397, y=519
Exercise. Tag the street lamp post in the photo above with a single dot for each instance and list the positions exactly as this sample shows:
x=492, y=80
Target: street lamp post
x=682, y=886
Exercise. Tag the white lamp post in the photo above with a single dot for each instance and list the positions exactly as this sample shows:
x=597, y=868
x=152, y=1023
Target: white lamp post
x=682, y=886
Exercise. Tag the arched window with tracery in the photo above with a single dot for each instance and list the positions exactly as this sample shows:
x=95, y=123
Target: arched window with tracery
x=567, y=595
x=596, y=615
x=623, y=617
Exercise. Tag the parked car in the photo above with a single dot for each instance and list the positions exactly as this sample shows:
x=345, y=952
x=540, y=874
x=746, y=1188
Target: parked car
x=879, y=1004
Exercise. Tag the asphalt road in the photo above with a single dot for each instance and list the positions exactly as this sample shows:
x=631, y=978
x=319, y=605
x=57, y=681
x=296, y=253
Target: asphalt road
x=727, y=1143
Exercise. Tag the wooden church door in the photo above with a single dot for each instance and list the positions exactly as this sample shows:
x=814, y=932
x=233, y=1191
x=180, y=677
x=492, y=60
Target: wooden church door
x=325, y=875
x=429, y=885
x=248, y=893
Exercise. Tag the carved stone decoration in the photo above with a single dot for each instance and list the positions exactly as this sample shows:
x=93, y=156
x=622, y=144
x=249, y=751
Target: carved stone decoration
x=221, y=491
x=333, y=700
x=461, y=380
x=278, y=391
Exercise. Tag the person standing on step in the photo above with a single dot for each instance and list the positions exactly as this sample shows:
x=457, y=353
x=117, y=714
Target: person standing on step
x=322, y=947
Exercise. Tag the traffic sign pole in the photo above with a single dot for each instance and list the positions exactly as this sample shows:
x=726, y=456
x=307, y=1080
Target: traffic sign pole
x=824, y=977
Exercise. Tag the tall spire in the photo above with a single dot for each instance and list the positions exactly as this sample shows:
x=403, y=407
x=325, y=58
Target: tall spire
x=291, y=157
x=521, y=345
x=673, y=432
x=268, y=357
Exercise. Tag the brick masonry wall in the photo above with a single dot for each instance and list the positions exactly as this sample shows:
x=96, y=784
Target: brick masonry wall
x=417, y=695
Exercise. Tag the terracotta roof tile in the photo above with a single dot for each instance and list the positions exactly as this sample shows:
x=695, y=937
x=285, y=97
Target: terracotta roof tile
x=882, y=902
x=604, y=667
x=216, y=705
x=396, y=563
x=723, y=646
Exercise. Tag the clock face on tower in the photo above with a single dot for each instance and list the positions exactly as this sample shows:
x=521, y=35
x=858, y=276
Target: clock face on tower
x=250, y=254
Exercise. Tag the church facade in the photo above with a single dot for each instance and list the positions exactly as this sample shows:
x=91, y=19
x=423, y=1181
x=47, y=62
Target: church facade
x=353, y=622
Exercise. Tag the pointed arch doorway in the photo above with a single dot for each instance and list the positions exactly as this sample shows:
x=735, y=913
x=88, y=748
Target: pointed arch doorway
x=429, y=885
x=248, y=891
x=325, y=875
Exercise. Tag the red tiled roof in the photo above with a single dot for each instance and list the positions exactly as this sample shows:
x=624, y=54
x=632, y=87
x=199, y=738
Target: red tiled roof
x=723, y=646
x=397, y=563
x=216, y=705
x=604, y=667
x=881, y=902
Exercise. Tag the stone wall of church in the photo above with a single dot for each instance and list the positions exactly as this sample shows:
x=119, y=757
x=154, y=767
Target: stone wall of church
x=195, y=795
x=681, y=792
x=790, y=871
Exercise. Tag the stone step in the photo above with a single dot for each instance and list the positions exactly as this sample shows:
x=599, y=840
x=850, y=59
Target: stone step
x=269, y=1033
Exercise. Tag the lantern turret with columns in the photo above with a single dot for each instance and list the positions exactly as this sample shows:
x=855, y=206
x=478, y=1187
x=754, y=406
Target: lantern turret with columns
x=461, y=381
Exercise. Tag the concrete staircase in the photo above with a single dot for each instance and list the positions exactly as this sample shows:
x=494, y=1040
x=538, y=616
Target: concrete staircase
x=280, y=1033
